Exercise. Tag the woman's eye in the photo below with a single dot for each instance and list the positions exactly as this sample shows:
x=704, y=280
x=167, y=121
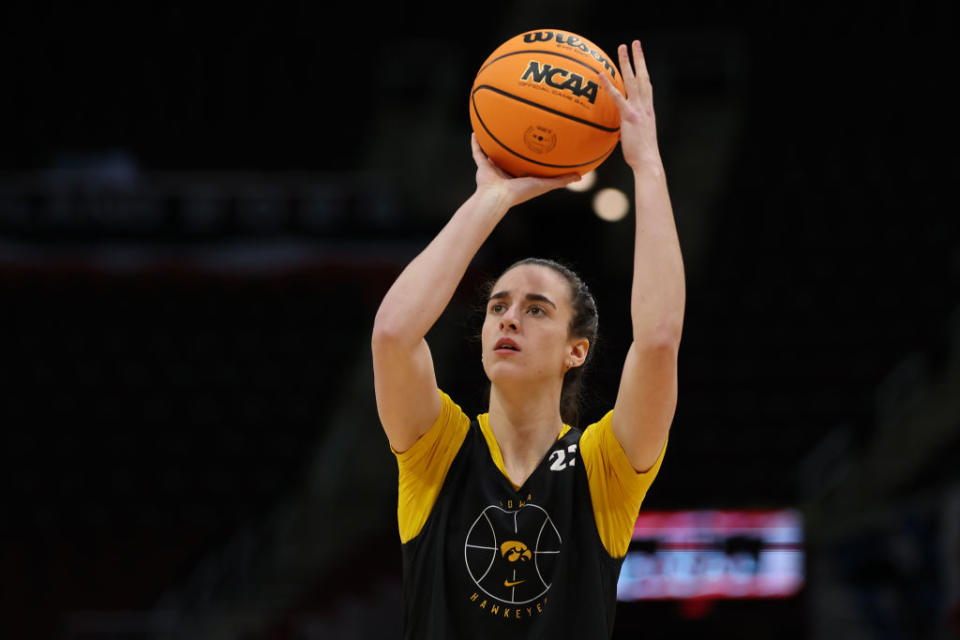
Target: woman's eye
x=496, y=308
x=536, y=311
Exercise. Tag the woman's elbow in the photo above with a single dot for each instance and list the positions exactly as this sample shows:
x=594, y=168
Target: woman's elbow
x=664, y=336
x=390, y=332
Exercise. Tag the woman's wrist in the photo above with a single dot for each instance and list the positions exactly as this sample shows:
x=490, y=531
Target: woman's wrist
x=648, y=164
x=493, y=197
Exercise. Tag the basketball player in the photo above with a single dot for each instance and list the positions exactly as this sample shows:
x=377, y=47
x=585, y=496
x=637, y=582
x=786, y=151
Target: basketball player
x=515, y=524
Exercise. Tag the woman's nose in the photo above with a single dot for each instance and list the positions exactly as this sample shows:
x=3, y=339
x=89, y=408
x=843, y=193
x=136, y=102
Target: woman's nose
x=507, y=320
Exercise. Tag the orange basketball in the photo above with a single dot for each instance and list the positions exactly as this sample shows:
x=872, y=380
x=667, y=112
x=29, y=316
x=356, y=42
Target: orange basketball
x=537, y=106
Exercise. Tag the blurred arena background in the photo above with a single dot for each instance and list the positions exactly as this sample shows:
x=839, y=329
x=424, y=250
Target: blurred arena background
x=200, y=208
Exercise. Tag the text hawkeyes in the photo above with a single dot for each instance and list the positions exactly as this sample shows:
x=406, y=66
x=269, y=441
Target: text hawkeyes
x=513, y=613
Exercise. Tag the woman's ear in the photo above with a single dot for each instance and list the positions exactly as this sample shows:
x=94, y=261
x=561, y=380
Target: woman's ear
x=578, y=351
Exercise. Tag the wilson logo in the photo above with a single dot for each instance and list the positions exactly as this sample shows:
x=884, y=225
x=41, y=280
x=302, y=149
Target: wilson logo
x=573, y=41
x=560, y=78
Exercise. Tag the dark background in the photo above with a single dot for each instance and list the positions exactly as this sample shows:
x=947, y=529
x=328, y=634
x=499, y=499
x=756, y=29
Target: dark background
x=201, y=207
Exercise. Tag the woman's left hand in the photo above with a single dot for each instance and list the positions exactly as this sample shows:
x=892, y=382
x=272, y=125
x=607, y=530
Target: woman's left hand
x=638, y=127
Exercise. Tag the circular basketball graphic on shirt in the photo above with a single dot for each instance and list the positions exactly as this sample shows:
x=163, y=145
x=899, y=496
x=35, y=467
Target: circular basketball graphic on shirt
x=511, y=554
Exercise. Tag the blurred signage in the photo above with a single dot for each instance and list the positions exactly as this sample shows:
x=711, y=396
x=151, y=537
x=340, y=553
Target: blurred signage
x=100, y=205
x=714, y=554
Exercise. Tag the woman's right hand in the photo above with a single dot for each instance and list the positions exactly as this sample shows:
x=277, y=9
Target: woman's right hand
x=507, y=190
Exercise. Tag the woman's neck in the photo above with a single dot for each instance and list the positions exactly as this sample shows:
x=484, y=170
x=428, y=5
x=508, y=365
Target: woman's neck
x=525, y=423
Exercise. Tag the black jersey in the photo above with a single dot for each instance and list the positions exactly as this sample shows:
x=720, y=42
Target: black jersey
x=492, y=560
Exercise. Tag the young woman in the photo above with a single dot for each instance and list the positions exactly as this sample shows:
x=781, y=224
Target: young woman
x=515, y=524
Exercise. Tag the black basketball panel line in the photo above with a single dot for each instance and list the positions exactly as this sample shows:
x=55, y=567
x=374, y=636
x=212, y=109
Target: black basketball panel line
x=531, y=160
x=527, y=101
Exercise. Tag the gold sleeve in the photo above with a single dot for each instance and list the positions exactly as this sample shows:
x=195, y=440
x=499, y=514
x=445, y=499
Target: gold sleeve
x=615, y=488
x=424, y=466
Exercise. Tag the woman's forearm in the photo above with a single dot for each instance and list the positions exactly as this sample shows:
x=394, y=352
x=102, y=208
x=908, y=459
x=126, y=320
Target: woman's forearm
x=659, y=291
x=424, y=288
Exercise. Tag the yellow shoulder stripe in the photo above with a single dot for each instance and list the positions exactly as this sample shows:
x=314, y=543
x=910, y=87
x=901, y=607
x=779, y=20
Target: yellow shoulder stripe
x=616, y=489
x=423, y=467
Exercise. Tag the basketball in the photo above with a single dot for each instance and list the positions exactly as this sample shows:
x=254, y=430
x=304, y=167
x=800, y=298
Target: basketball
x=537, y=106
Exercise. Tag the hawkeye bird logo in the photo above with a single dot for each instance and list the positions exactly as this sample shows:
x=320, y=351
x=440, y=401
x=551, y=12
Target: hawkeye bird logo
x=515, y=551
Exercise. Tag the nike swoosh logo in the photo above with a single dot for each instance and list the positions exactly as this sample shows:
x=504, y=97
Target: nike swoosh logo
x=507, y=583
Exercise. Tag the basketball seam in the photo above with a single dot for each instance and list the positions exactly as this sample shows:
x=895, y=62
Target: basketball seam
x=531, y=160
x=544, y=108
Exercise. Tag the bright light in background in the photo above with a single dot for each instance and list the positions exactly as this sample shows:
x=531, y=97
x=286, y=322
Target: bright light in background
x=714, y=554
x=585, y=183
x=611, y=204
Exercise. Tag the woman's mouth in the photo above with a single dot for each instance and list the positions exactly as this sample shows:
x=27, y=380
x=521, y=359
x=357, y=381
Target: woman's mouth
x=506, y=345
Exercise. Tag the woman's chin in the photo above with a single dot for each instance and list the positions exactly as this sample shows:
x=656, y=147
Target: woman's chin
x=505, y=373
x=510, y=373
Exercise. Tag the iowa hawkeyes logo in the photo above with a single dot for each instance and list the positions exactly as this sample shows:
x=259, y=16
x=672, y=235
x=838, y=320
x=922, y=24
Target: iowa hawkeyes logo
x=511, y=554
x=515, y=551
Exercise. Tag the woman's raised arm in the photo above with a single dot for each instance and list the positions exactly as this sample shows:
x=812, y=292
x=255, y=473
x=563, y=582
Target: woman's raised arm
x=404, y=378
x=647, y=398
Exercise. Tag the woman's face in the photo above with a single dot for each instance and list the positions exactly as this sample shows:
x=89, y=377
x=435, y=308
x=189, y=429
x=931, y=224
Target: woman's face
x=525, y=334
